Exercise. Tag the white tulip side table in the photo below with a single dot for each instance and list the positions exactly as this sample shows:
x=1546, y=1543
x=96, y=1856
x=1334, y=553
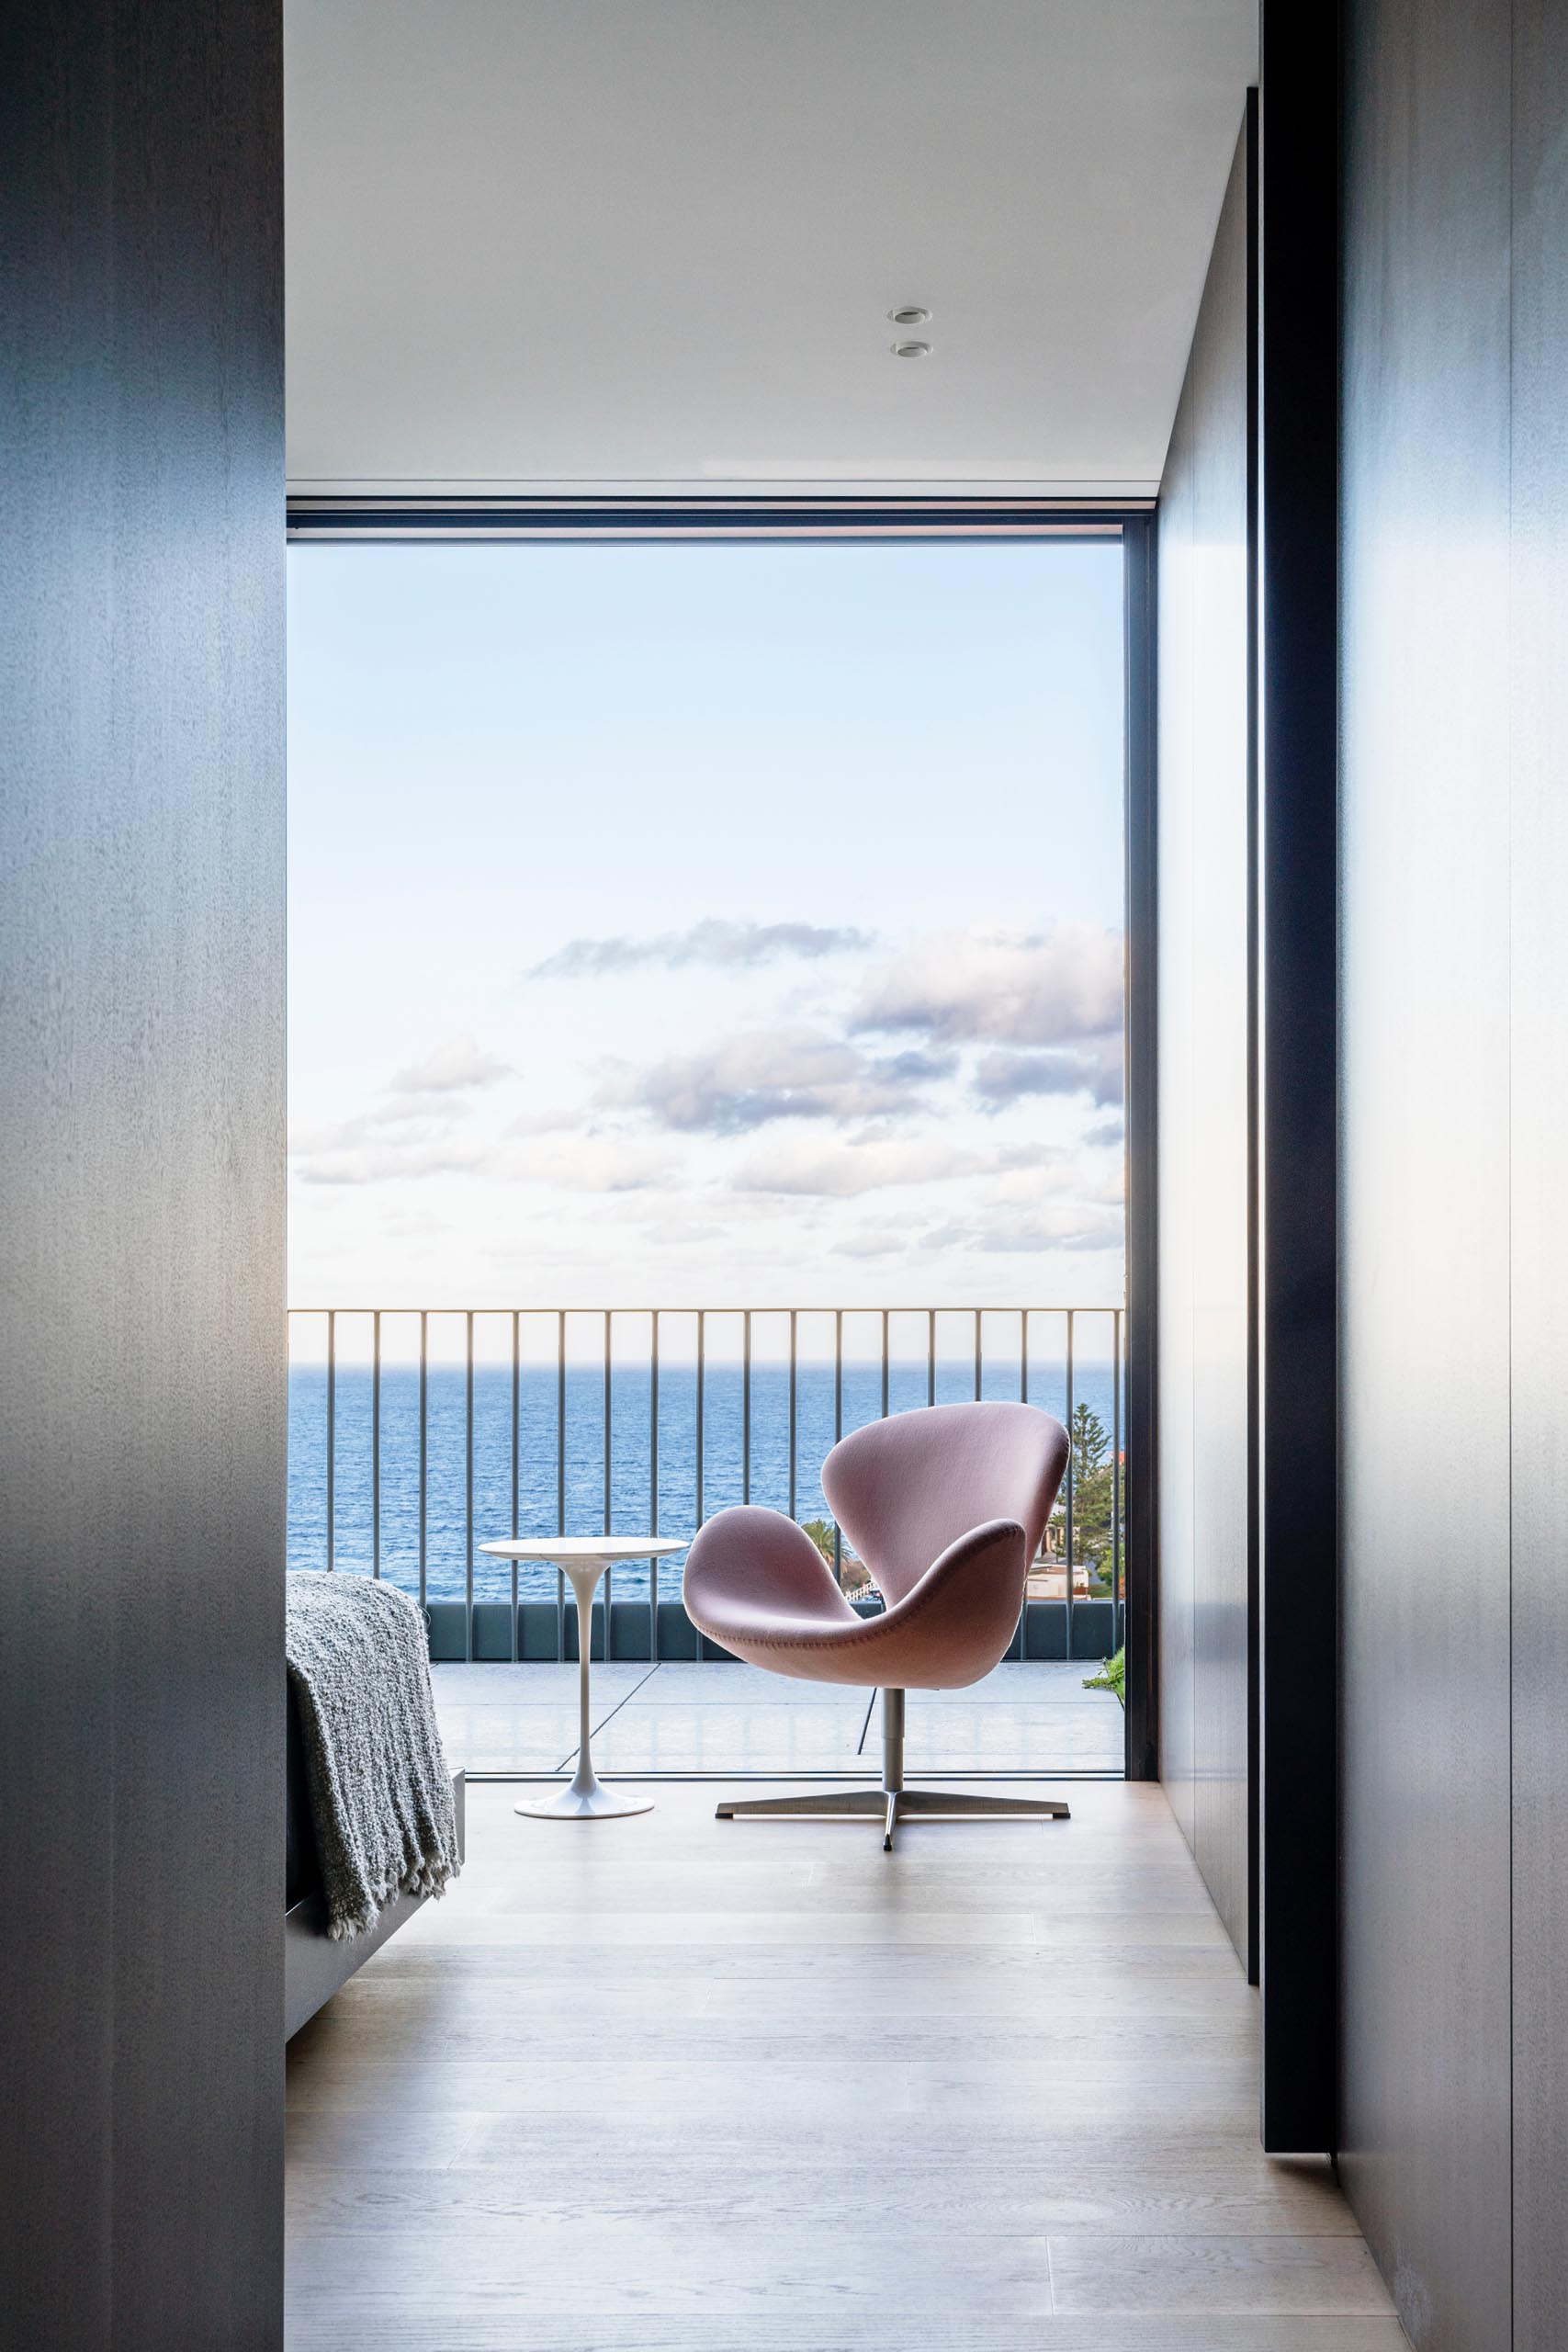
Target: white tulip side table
x=584, y=1558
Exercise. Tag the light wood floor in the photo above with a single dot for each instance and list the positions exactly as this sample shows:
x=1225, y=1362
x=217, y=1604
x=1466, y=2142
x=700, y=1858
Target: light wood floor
x=671, y=2084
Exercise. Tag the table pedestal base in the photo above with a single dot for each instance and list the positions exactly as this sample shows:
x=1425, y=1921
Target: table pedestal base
x=594, y=1803
x=587, y=1799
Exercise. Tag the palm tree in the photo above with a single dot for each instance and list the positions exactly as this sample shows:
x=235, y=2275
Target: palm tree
x=853, y=1575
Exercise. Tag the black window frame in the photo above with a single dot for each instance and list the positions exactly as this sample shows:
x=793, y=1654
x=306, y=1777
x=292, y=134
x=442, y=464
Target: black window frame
x=1132, y=523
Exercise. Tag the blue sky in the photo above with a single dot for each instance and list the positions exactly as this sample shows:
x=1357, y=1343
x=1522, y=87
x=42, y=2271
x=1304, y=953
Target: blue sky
x=706, y=924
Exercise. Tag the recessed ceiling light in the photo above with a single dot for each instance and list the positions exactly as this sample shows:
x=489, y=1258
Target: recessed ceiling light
x=911, y=351
x=914, y=315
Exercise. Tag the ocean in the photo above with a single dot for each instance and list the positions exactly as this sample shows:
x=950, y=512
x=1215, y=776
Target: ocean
x=632, y=1501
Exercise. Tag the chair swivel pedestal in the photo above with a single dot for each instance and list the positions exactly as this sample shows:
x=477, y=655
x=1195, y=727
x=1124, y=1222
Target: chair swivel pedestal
x=892, y=1802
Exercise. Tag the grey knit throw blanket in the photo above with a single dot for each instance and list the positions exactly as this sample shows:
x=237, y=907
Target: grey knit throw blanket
x=380, y=1792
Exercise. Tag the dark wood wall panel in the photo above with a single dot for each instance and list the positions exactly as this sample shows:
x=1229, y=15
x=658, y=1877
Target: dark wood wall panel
x=56, y=1656
x=1205, y=868
x=1538, y=1134
x=1425, y=814
x=142, y=994
x=1298, y=1073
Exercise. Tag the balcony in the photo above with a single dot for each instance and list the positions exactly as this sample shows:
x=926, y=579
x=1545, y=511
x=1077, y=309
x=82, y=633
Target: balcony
x=416, y=1436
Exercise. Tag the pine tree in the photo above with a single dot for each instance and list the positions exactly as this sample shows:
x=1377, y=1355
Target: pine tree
x=1093, y=1487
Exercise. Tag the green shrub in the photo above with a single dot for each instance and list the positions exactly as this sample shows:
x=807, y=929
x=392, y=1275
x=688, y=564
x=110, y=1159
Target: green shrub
x=1112, y=1676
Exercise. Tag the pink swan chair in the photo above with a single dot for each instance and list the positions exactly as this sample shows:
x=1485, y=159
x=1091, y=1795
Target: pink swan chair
x=946, y=1507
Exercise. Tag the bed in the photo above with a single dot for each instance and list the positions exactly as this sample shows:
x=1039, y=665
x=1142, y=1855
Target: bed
x=317, y=1964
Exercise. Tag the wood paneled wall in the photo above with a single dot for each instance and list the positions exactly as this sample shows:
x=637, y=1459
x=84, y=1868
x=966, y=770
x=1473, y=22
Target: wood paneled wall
x=1247, y=1080
x=1205, y=1061
x=1298, y=1071
x=142, y=999
x=1538, y=745
x=1454, y=1315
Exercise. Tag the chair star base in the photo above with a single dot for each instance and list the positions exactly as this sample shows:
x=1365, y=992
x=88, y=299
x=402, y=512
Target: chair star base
x=890, y=1806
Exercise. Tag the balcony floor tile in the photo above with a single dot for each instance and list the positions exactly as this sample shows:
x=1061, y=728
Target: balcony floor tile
x=726, y=1718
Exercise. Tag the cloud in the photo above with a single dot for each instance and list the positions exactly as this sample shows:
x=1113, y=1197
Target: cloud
x=1003, y=1079
x=1059, y=1198
x=872, y=1241
x=758, y=1075
x=452, y=1068
x=397, y=1160
x=561, y=1121
x=1022, y=1179
x=918, y=1063
x=582, y=1163
x=730, y=944
x=411, y=1131
x=840, y=1171
x=1009, y=986
x=1011, y=1236
x=590, y=1163
x=400, y=1124
x=414, y=1224
x=1009, y=1230
x=410, y=1120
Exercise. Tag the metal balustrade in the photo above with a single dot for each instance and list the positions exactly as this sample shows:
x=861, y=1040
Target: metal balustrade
x=1044, y=1364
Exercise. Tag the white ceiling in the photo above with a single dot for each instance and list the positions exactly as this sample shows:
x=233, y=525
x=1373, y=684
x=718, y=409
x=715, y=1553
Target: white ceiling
x=574, y=246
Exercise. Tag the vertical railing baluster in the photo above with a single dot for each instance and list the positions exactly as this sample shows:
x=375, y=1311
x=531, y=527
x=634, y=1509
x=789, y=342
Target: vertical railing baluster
x=837, y=1428
x=653, y=1489
x=794, y=1408
x=609, y=1496
x=1115, y=1479
x=701, y=1401
x=331, y=1436
x=376, y=1445
x=560, y=1478
x=469, y=1488
x=1070, y=1509
x=701, y=1384
x=516, y=1454
x=1113, y=1578
x=1023, y=1400
x=424, y=1452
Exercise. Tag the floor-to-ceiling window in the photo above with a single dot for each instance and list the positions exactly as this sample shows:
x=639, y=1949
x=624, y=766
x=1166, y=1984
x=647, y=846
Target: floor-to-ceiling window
x=729, y=930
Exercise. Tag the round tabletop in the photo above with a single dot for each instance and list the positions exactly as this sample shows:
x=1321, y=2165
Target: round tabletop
x=559, y=1549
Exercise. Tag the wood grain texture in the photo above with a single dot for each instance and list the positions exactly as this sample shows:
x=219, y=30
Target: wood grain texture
x=141, y=1062
x=419, y=2325
x=1205, y=858
x=1425, y=1158
x=1539, y=1155
x=898, y=2126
